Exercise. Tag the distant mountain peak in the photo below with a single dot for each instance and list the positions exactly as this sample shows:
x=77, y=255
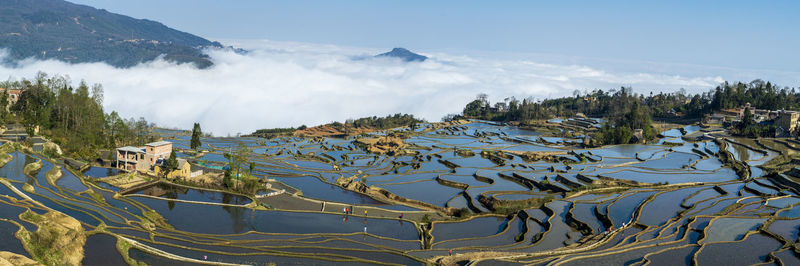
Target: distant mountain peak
x=404, y=54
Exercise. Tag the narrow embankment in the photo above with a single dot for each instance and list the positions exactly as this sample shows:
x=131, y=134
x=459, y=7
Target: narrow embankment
x=381, y=194
x=741, y=168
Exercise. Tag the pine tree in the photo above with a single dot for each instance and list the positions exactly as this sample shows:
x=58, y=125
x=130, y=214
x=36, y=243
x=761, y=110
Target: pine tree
x=3, y=106
x=171, y=163
x=747, y=118
x=196, y=132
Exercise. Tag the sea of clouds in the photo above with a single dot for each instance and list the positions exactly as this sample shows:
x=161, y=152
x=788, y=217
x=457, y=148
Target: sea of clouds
x=283, y=84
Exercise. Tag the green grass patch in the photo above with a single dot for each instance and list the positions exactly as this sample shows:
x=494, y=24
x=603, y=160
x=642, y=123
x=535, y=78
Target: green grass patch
x=31, y=217
x=39, y=244
x=156, y=219
x=513, y=206
x=98, y=197
x=59, y=239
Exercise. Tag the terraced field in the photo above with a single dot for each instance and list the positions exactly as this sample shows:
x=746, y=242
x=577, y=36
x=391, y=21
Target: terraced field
x=487, y=193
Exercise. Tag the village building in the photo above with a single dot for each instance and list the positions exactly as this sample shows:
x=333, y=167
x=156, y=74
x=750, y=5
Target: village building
x=184, y=170
x=142, y=159
x=638, y=135
x=773, y=115
x=715, y=118
x=786, y=123
x=13, y=95
x=759, y=115
x=732, y=112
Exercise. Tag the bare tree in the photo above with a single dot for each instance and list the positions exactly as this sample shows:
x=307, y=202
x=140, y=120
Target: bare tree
x=97, y=94
x=484, y=98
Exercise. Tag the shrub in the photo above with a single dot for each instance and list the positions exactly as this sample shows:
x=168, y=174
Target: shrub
x=426, y=218
x=461, y=213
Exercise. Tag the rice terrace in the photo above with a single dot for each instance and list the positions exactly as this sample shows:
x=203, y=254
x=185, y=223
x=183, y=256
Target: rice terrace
x=445, y=132
x=467, y=188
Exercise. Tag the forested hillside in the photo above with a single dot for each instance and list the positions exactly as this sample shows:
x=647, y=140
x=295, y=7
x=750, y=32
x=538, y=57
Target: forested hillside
x=56, y=29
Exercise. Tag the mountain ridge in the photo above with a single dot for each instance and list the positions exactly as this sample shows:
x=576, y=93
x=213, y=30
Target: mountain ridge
x=57, y=29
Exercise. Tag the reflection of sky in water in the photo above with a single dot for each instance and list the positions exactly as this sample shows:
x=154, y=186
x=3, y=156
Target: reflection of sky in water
x=399, y=175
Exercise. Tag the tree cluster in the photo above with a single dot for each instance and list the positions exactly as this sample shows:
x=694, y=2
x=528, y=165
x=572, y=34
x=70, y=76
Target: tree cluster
x=390, y=121
x=239, y=172
x=72, y=117
x=374, y=122
x=747, y=127
x=599, y=103
x=627, y=111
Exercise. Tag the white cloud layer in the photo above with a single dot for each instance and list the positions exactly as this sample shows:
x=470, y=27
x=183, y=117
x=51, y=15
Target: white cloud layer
x=280, y=84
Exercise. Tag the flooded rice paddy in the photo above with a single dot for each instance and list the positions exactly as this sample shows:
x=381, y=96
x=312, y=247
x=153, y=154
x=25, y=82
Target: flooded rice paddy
x=670, y=203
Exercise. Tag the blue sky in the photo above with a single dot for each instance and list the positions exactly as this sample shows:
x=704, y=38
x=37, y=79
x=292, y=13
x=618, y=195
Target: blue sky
x=756, y=35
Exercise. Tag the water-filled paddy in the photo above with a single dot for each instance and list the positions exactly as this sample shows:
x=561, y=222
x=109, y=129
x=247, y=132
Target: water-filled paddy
x=696, y=220
x=313, y=188
x=233, y=220
x=478, y=227
x=68, y=180
x=191, y=194
x=731, y=229
x=101, y=249
x=9, y=242
x=94, y=172
x=752, y=250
